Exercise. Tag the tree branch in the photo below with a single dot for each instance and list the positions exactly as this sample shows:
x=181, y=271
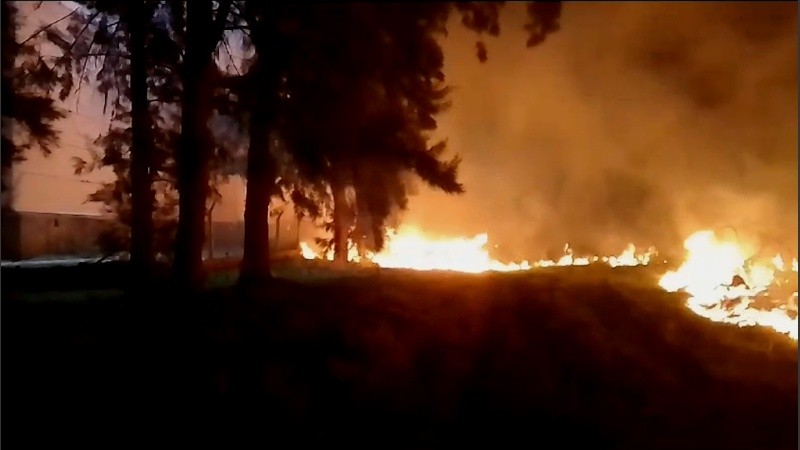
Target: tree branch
x=83, y=69
x=118, y=55
x=88, y=22
x=222, y=18
x=40, y=30
x=230, y=56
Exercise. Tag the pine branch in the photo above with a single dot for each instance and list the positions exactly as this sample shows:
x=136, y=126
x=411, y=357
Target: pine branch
x=46, y=27
x=88, y=22
x=230, y=56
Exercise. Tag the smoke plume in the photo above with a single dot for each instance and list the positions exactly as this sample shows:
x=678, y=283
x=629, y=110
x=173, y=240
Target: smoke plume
x=636, y=122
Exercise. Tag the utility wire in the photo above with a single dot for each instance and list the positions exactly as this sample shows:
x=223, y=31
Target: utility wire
x=59, y=177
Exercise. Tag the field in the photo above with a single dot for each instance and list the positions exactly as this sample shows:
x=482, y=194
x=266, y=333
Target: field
x=394, y=359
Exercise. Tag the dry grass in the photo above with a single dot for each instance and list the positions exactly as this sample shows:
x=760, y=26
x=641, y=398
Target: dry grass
x=396, y=359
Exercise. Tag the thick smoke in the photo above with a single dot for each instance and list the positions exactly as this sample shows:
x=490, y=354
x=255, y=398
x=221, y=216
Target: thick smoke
x=636, y=122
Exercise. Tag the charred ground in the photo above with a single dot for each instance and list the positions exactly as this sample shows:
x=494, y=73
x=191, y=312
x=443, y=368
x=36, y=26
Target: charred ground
x=396, y=359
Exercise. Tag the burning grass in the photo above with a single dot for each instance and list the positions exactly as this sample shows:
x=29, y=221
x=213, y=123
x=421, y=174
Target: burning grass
x=404, y=359
x=727, y=281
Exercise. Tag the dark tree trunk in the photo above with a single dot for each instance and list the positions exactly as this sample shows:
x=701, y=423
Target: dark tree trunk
x=297, y=232
x=261, y=166
x=7, y=179
x=260, y=184
x=210, y=221
x=142, y=196
x=8, y=15
x=278, y=231
x=341, y=224
x=194, y=147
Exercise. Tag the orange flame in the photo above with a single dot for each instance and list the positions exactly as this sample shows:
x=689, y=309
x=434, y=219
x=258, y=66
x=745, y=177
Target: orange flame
x=708, y=274
x=628, y=258
x=410, y=249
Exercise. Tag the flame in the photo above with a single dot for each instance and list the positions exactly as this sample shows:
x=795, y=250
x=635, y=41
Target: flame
x=724, y=282
x=307, y=252
x=628, y=258
x=408, y=248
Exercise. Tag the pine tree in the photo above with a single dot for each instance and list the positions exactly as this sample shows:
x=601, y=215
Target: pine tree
x=124, y=50
x=30, y=84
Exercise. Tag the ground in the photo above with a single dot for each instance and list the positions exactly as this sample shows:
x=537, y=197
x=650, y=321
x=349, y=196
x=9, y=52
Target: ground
x=394, y=359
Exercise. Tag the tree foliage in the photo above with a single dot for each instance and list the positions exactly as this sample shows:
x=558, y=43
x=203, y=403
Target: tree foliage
x=333, y=109
x=98, y=54
x=361, y=104
x=30, y=87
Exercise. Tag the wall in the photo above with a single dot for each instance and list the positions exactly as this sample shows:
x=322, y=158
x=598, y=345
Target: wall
x=228, y=237
x=32, y=234
x=28, y=235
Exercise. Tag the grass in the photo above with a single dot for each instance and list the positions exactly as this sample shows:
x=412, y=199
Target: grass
x=398, y=359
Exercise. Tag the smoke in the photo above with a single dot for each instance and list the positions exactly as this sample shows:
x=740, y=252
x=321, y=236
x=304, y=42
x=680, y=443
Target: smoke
x=637, y=122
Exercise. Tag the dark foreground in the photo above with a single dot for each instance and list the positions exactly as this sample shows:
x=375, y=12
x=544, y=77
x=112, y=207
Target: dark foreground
x=394, y=360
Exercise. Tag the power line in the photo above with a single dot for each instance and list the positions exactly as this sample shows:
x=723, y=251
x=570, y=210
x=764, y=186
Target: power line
x=105, y=120
x=78, y=146
x=59, y=177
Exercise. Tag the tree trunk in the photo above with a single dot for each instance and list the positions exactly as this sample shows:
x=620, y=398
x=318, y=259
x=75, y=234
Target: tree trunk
x=297, y=232
x=260, y=184
x=142, y=196
x=7, y=179
x=194, y=147
x=278, y=231
x=340, y=224
x=210, y=219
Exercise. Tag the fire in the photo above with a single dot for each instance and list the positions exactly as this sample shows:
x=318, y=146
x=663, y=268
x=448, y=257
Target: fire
x=724, y=282
x=628, y=258
x=408, y=248
x=307, y=252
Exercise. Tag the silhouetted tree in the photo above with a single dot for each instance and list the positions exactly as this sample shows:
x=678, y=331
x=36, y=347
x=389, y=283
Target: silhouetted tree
x=115, y=196
x=203, y=27
x=125, y=50
x=262, y=85
x=155, y=64
x=29, y=107
x=334, y=56
x=139, y=15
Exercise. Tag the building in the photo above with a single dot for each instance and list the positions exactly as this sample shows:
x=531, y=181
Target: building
x=27, y=235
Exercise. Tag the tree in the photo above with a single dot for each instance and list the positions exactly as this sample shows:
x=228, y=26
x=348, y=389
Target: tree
x=139, y=15
x=29, y=109
x=228, y=158
x=125, y=51
x=116, y=197
x=203, y=30
x=166, y=51
x=304, y=44
x=263, y=85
